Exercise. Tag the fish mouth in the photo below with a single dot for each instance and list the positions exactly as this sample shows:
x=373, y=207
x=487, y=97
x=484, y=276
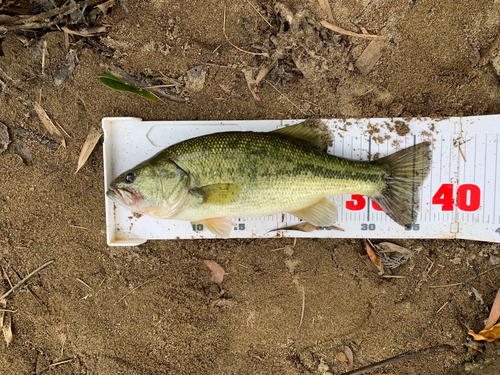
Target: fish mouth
x=124, y=195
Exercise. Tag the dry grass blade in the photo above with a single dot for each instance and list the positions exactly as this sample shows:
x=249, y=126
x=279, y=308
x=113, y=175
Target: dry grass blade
x=494, y=313
x=89, y=145
x=325, y=5
x=49, y=125
x=340, y=30
x=265, y=54
x=217, y=271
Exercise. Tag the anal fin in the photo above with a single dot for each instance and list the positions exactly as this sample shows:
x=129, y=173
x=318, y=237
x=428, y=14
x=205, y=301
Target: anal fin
x=322, y=213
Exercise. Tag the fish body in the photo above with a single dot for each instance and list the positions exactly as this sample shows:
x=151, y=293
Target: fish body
x=218, y=176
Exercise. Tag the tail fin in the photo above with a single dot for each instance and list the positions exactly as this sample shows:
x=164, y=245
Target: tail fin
x=406, y=171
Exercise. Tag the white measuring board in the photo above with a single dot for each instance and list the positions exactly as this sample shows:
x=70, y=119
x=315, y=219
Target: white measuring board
x=459, y=199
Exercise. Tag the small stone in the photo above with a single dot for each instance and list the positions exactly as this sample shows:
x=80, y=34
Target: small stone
x=322, y=367
x=195, y=78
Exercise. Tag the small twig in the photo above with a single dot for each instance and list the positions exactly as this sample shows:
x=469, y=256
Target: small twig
x=274, y=87
x=83, y=282
x=20, y=283
x=340, y=30
x=393, y=277
x=133, y=290
x=7, y=276
x=461, y=153
x=61, y=362
x=78, y=227
x=233, y=45
x=303, y=306
x=7, y=310
x=442, y=307
x=401, y=357
x=444, y=286
x=254, y=8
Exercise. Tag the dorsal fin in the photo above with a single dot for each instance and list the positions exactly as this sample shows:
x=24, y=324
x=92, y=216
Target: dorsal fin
x=311, y=131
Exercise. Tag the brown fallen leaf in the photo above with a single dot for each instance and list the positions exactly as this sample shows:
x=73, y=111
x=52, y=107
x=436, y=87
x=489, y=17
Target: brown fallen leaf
x=370, y=56
x=489, y=335
x=350, y=357
x=306, y=227
x=217, y=271
x=6, y=323
x=105, y=6
x=375, y=259
x=342, y=358
x=89, y=145
x=49, y=125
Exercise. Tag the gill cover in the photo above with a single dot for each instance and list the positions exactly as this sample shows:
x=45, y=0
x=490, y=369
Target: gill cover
x=156, y=187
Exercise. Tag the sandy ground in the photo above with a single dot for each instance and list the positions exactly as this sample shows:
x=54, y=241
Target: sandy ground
x=154, y=308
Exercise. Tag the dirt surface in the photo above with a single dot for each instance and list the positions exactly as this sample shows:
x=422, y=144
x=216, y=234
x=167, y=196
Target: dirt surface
x=154, y=308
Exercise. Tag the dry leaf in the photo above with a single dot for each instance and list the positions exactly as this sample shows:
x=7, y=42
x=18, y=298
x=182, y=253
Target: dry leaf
x=49, y=125
x=389, y=247
x=6, y=323
x=375, y=259
x=89, y=145
x=489, y=335
x=327, y=9
x=217, y=271
x=105, y=6
x=342, y=358
x=370, y=56
x=350, y=356
x=494, y=313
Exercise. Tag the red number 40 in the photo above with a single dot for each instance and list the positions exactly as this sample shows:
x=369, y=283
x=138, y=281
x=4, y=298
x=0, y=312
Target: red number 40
x=468, y=197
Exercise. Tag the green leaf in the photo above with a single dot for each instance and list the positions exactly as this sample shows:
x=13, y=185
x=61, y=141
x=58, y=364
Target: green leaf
x=117, y=84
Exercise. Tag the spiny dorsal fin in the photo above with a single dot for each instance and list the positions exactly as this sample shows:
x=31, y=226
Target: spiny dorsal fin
x=311, y=131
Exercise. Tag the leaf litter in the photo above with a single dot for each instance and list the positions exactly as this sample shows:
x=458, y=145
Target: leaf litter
x=491, y=331
x=6, y=322
x=49, y=125
x=217, y=271
x=89, y=145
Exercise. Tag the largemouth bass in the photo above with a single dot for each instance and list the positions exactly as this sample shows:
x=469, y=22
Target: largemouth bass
x=215, y=177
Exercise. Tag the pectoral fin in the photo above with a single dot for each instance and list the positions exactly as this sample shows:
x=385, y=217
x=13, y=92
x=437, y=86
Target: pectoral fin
x=220, y=226
x=218, y=193
x=322, y=213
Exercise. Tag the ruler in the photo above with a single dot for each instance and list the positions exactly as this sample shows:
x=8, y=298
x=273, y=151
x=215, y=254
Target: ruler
x=459, y=199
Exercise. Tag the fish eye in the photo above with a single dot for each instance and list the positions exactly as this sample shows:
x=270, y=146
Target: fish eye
x=129, y=178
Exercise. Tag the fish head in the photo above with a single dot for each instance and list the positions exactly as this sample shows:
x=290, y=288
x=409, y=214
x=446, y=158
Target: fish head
x=154, y=188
